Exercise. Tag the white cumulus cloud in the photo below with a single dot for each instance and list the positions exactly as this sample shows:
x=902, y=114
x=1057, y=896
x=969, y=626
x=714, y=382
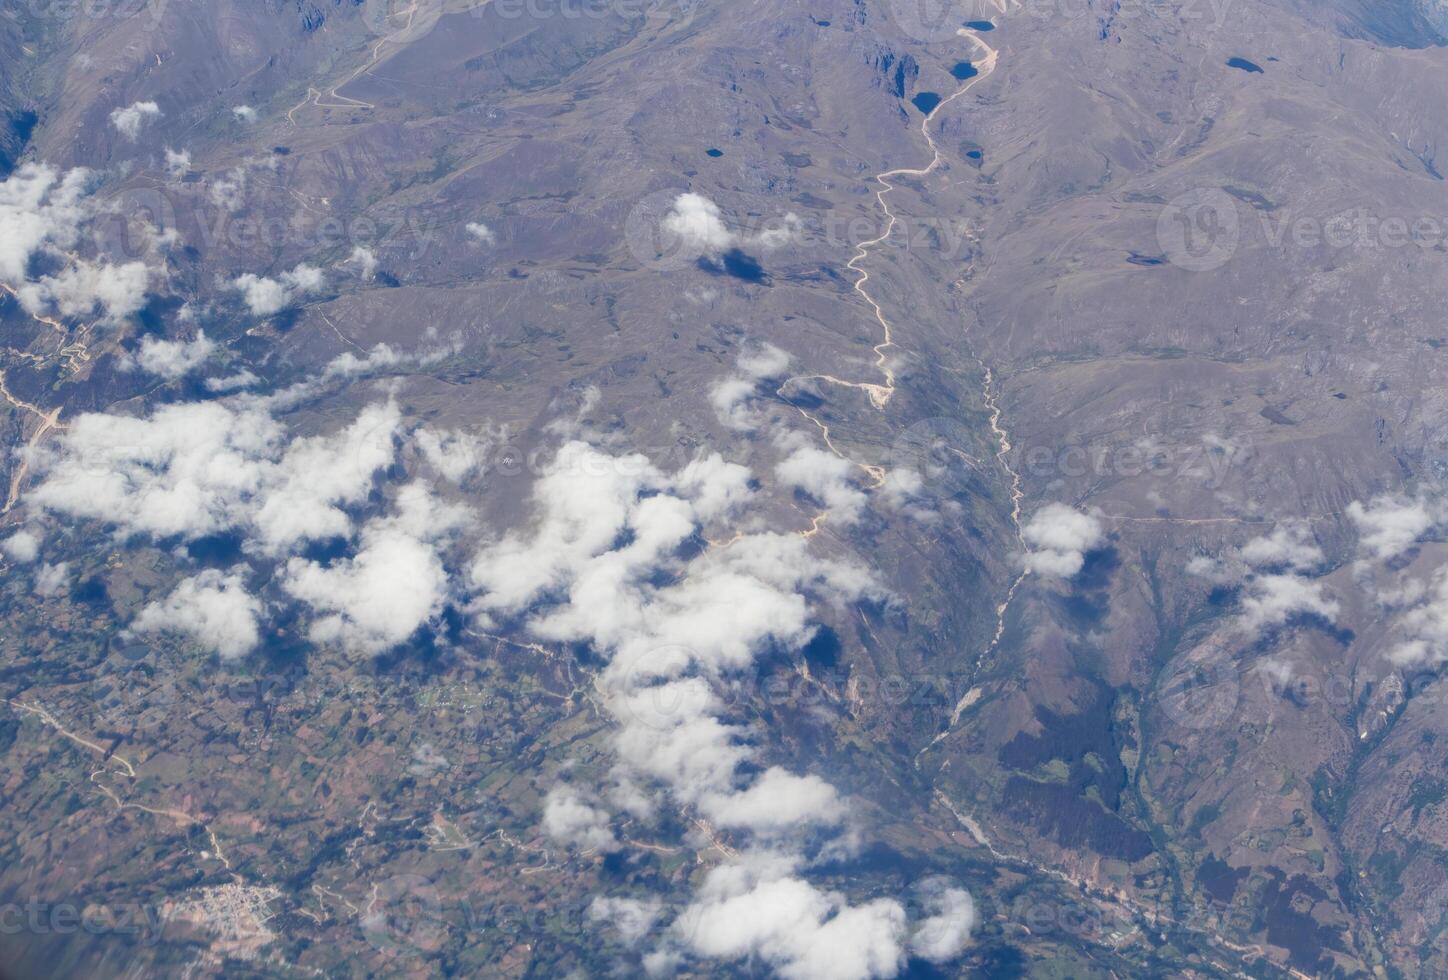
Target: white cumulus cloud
x=178, y=163
x=631, y=917
x=941, y=936
x=1059, y=537
x=171, y=359
x=1423, y=629
x=194, y=469
x=802, y=932
x=51, y=580
x=213, y=608
x=568, y=819
x=698, y=224
x=22, y=547
x=265, y=296
x=1389, y=526
x=365, y=260
x=128, y=121
x=823, y=476
x=1272, y=599
x=395, y=584
x=732, y=395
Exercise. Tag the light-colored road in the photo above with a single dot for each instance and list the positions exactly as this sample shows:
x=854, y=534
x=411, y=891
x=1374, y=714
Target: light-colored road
x=880, y=392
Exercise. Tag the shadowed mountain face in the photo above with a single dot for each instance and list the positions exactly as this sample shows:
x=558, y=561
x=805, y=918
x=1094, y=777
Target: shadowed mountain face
x=513, y=488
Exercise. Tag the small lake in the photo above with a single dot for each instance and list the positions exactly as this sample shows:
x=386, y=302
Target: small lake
x=1244, y=65
x=926, y=102
x=964, y=70
x=980, y=25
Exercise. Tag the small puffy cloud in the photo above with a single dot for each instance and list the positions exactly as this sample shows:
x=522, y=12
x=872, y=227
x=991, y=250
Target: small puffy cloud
x=481, y=232
x=943, y=934
x=455, y=455
x=382, y=357
x=232, y=382
x=365, y=261
x=825, y=477
x=788, y=230
x=586, y=499
x=715, y=488
x=128, y=121
x=1272, y=599
x=51, y=580
x=800, y=931
x=731, y=396
x=306, y=278
x=1423, y=628
x=1059, y=537
x=568, y=819
x=632, y=918
x=698, y=224
x=1289, y=544
x=349, y=365
x=229, y=192
x=212, y=608
x=1269, y=568
x=902, y=490
x=171, y=359
x=427, y=761
x=178, y=162
x=777, y=802
x=763, y=362
x=1389, y=526
x=1217, y=571
x=119, y=290
x=265, y=296
x=44, y=213
x=1277, y=671
x=375, y=600
x=244, y=113
x=41, y=210
x=22, y=547
x=395, y=583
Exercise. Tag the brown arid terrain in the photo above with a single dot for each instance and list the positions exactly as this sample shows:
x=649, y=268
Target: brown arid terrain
x=839, y=489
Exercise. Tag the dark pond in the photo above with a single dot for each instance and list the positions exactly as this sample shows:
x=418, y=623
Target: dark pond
x=926, y=102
